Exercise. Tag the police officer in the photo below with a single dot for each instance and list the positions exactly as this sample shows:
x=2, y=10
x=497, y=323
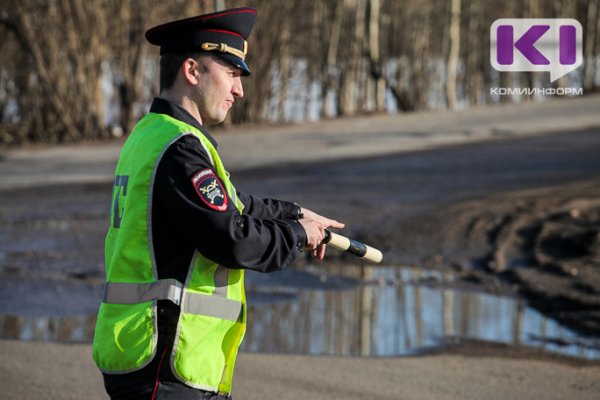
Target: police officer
x=174, y=308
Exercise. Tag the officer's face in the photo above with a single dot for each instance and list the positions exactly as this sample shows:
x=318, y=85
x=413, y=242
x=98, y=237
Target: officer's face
x=218, y=87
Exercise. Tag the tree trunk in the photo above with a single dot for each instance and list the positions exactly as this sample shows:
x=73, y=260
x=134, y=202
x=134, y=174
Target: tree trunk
x=375, y=56
x=590, y=44
x=453, y=56
x=330, y=70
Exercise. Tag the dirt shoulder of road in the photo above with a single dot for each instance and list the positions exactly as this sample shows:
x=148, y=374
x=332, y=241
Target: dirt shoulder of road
x=34, y=370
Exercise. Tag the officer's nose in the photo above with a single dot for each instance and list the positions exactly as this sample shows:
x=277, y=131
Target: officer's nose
x=237, y=90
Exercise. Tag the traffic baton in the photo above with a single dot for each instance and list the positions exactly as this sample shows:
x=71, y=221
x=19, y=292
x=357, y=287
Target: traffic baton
x=352, y=246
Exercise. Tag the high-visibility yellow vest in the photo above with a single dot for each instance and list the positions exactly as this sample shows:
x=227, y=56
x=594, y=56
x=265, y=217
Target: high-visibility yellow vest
x=212, y=322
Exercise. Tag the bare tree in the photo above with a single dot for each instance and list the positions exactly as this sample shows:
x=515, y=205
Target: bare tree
x=453, y=56
x=60, y=63
x=74, y=70
x=591, y=43
x=376, y=68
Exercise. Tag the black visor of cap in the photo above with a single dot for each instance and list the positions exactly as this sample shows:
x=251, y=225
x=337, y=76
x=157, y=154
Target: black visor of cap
x=229, y=27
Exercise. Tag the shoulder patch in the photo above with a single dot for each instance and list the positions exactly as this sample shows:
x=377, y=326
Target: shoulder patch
x=209, y=188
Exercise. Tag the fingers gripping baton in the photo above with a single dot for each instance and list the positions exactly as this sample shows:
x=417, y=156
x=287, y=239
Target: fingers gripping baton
x=352, y=246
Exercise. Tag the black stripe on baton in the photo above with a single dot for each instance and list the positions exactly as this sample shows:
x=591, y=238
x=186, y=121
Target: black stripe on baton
x=357, y=248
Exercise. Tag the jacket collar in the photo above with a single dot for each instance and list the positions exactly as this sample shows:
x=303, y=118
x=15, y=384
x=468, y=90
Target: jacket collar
x=163, y=106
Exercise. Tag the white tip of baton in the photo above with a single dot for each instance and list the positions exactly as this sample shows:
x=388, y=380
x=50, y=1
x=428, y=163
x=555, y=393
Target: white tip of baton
x=373, y=255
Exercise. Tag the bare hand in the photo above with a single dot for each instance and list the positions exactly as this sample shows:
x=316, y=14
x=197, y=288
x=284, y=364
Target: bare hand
x=312, y=220
x=327, y=222
x=315, y=233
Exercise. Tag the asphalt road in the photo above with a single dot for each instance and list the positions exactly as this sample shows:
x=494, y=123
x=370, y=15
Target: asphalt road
x=404, y=183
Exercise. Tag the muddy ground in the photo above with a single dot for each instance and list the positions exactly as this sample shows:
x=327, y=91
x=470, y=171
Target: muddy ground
x=518, y=216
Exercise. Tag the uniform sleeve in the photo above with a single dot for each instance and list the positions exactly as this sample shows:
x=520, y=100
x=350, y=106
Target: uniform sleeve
x=196, y=200
x=269, y=208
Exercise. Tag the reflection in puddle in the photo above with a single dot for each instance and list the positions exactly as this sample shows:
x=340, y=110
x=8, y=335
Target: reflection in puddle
x=61, y=329
x=397, y=317
x=306, y=312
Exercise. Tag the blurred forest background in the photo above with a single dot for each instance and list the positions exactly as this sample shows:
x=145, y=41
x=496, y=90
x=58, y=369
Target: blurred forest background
x=74, y=70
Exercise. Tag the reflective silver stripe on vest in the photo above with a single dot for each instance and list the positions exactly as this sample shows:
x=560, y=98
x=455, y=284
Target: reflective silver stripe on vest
x=133, y=293
x=211, y=306
x=170, y=289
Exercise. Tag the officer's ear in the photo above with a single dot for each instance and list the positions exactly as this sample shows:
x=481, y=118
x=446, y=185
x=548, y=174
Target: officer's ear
x=190, y=69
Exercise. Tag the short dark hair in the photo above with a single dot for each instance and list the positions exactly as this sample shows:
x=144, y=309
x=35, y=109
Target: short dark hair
x=169, y=67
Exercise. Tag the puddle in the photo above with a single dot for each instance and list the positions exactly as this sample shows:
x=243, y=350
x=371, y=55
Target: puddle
x=307, y=312
x=399, y=315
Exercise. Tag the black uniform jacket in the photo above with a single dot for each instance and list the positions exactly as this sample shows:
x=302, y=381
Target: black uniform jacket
x=265, y=238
